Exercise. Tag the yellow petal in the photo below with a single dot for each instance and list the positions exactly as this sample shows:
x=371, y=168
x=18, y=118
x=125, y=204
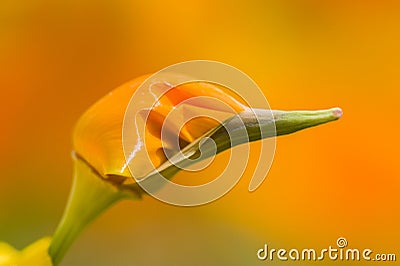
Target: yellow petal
x=6, y=253
x=34, y=255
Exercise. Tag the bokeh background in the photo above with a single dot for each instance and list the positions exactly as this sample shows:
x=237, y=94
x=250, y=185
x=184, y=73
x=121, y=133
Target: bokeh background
x=340, y=179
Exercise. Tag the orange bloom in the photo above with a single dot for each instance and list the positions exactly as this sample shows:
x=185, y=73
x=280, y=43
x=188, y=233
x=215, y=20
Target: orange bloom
x=98, y=134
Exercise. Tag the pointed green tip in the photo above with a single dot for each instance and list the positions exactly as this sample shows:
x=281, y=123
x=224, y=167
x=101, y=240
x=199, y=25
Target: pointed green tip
x=262, y=123
x=287, y=122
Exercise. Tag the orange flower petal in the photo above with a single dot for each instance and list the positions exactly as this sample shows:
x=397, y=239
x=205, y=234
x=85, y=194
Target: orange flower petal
x=98, y=133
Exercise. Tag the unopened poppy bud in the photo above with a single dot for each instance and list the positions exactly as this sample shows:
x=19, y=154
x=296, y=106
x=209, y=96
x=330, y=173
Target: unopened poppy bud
x=101, y=167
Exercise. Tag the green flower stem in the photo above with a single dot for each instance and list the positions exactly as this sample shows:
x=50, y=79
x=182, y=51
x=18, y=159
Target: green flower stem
x=90, y=196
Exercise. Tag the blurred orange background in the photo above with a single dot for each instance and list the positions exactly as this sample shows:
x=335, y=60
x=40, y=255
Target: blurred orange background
x=339, y=179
